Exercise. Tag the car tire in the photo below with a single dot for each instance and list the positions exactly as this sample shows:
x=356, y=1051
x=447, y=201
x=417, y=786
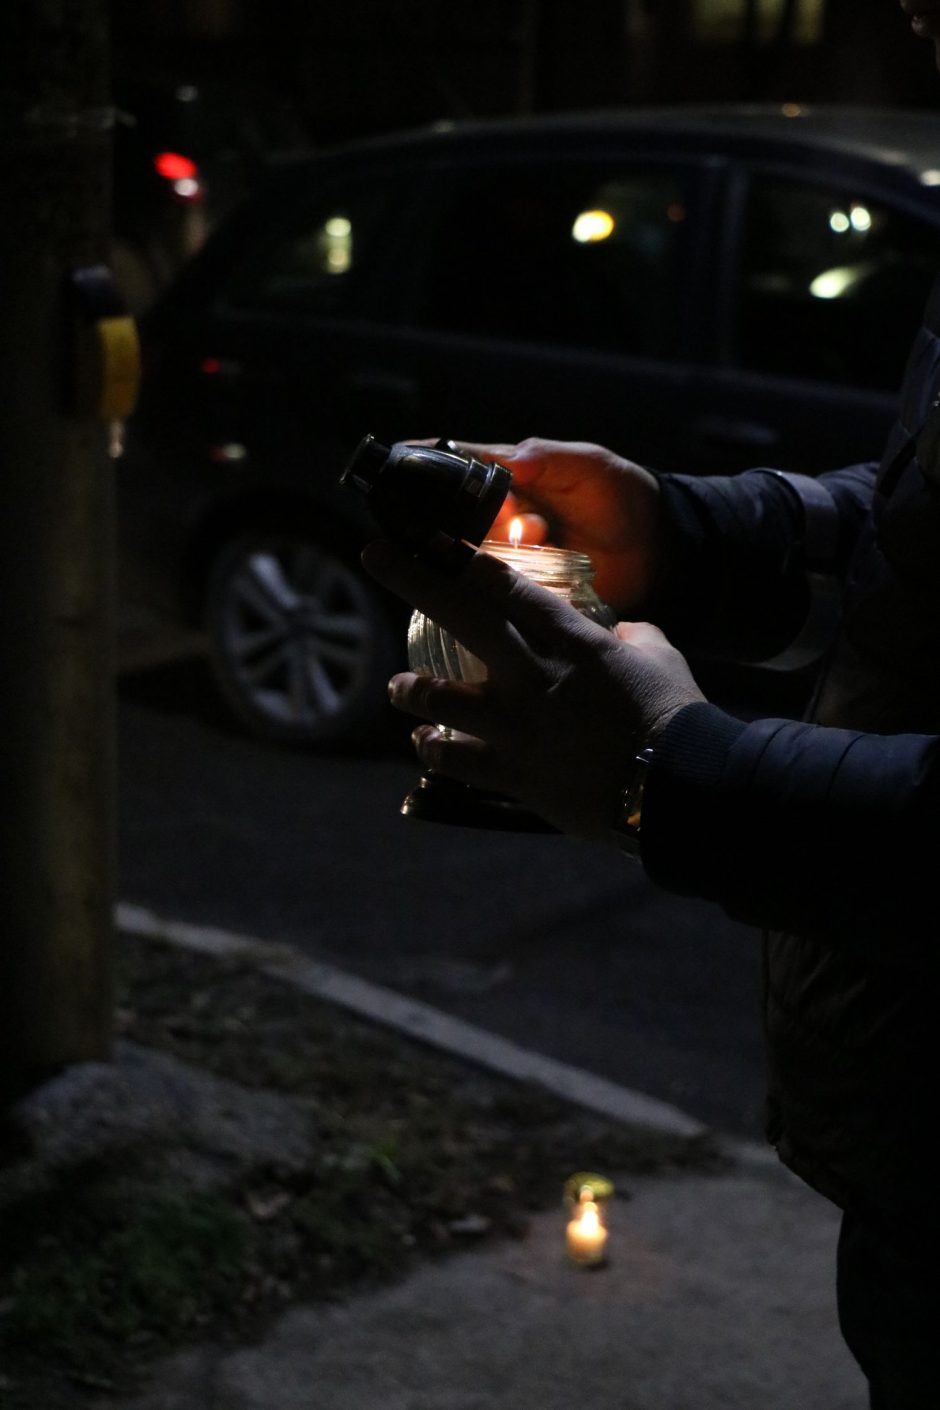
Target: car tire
x=300, y=642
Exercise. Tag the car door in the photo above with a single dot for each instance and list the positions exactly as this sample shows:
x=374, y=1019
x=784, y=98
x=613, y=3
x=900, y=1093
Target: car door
x=821, y=289
x=293, y=347
x=555, y=295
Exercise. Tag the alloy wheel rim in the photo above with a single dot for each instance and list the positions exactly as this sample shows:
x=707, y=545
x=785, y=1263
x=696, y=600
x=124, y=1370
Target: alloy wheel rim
x=296, y=632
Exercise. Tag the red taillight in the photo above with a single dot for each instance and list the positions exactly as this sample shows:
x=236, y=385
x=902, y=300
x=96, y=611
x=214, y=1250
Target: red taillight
x=210, y=366
x=174, y=166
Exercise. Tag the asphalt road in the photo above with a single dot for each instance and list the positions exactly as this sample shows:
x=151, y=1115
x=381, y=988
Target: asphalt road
x=556, y=945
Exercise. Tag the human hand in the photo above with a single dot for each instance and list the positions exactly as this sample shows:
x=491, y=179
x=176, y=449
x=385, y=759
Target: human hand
x=565, y=706
x=585, y=498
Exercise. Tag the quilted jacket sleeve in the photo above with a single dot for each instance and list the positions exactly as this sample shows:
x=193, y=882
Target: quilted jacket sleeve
x=738, y=550
x=793, y=826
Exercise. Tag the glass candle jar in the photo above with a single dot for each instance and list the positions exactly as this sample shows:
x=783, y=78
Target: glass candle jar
x=433, y=651
x=587, y=1208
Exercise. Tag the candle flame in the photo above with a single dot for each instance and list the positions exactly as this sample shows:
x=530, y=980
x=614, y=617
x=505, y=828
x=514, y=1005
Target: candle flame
x=588, y=1217
x=515, y=532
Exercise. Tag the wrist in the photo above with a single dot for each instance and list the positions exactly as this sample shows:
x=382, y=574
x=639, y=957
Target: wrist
x=628, y=824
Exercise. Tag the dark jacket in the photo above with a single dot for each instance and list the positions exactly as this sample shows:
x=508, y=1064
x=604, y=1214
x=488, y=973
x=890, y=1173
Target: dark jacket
x=826, y=834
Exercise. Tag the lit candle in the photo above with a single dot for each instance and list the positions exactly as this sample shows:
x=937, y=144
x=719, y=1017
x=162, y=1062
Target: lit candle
x=586, y=1237
x=566, y=573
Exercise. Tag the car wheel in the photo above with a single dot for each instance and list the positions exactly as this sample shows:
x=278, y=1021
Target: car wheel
x=300, y=642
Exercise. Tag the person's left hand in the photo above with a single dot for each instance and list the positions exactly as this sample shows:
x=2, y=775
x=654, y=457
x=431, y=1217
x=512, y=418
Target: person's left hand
x=566, y=703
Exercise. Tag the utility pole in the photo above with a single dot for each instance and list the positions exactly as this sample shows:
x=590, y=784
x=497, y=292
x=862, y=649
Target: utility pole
x=56, y=528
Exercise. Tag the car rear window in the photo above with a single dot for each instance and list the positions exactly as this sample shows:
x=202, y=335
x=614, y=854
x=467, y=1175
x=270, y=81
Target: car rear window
x=820, y=269
x=581, y=255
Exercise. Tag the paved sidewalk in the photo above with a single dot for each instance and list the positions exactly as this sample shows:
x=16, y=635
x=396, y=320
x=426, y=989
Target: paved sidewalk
x=718, y=1295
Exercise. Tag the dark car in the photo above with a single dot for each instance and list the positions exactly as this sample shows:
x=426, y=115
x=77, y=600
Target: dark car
x=702, y=290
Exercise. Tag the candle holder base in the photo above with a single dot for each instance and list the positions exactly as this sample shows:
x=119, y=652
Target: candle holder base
x=589, y=1265
x=444, y=800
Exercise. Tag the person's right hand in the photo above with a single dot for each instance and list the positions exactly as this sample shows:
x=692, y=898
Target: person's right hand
x=593, y=501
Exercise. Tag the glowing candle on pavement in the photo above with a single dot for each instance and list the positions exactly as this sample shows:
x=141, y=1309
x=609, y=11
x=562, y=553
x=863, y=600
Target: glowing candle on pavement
x=586, y=1237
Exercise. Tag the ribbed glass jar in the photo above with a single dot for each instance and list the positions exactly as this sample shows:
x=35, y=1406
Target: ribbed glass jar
x=433, y=651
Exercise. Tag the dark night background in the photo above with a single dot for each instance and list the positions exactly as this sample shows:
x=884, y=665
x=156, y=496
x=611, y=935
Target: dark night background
x=365, y=66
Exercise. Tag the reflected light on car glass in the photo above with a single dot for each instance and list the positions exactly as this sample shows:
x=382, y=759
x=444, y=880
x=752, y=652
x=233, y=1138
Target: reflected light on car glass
x=833, y=283
x=930, y=177
x=591, y=226
x=230, y=454
x=338, y=233
x=857, y=218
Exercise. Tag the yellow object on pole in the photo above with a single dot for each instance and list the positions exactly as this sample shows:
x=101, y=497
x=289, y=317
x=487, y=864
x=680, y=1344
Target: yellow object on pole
x=105, y=373
x=119, y=349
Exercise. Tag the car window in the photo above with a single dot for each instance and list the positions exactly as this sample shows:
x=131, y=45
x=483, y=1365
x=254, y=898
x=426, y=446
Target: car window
x=822, y=268
x=317, y=261
x=568, y=254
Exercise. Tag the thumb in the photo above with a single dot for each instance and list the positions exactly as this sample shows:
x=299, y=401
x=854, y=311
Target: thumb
x=530, y=528
x=640, y=634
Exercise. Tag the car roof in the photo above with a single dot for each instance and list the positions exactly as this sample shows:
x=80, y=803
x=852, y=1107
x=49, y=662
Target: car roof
x=905, y=139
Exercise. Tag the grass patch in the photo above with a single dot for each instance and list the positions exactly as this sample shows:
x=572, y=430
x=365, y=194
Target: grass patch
x=113, y=1272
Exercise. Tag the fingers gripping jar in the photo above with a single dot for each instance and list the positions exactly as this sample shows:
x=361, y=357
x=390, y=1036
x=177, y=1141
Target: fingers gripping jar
x=435, y=652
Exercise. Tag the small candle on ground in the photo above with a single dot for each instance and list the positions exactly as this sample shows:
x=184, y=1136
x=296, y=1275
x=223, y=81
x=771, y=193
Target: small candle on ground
x=586, y=1237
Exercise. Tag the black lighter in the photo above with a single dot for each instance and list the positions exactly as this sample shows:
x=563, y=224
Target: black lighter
x=430, y=499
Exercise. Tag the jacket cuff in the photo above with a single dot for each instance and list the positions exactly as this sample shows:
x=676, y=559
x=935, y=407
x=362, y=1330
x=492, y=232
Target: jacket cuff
x=821, y=522
x=829, y=833
x=683, y=795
